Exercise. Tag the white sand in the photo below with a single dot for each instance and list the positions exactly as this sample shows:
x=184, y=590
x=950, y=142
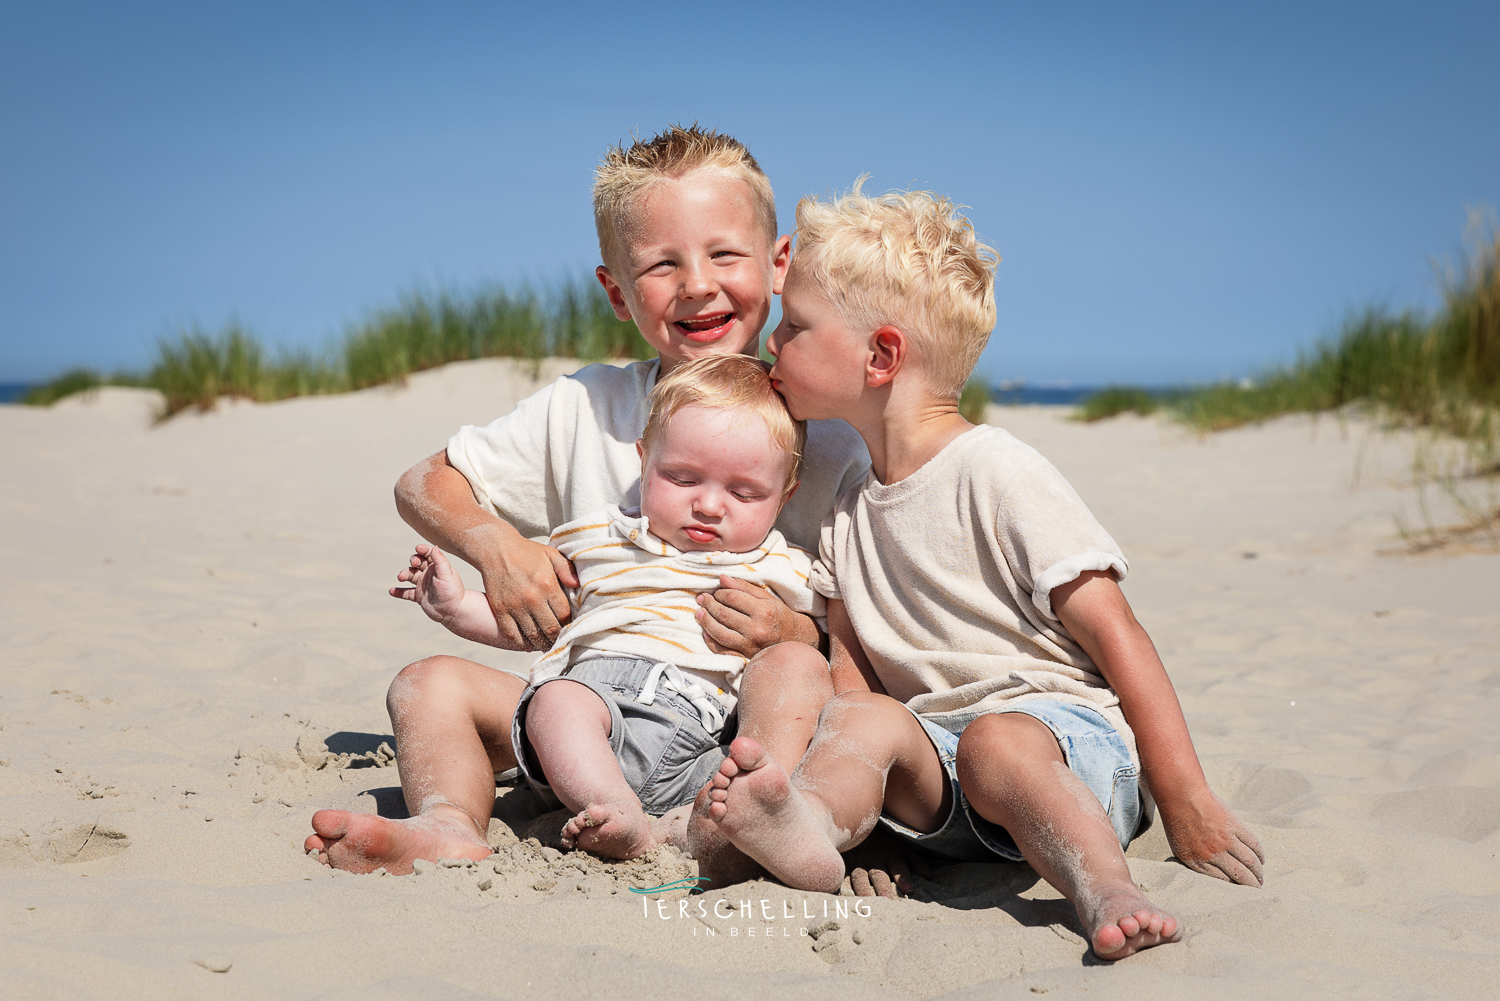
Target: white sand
x=182, y=595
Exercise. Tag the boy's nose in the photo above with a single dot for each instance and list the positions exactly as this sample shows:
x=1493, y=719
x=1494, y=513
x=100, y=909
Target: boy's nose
x=699, y=283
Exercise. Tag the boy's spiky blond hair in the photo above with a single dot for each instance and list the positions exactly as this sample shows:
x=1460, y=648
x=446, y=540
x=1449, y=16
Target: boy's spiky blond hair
x=728, y=382
x=905, y=259
x=626, y=172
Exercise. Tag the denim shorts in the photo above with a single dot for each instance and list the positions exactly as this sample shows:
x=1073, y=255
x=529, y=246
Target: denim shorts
x=1093, y=750
x=665, y=752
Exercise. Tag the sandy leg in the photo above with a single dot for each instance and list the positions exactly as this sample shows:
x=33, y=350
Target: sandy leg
x=868, y=753
x=1013, y=773
x=363, y=842
x=755, y=806
x=452, y=724
x=782, y=691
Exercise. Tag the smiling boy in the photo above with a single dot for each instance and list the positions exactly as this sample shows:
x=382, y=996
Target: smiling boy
x=687, y=232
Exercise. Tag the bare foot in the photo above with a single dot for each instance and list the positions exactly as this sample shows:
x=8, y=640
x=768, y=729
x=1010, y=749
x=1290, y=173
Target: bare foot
x=1122, y=922
x=755, y=806
x=717, y=857
x=364, y=842
x=614, y=830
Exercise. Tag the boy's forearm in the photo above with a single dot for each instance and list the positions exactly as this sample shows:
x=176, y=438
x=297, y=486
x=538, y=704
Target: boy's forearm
x=1100, y=619
x=436, y=500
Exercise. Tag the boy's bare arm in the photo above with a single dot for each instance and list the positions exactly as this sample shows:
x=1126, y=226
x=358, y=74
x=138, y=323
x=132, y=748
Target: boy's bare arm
x=1203, y=833
x=523, y=580
x=846, y=658
x=745, y=618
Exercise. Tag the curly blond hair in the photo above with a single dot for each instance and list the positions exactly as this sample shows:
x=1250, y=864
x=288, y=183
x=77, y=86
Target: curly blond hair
x=907, y=259
x=626, y=172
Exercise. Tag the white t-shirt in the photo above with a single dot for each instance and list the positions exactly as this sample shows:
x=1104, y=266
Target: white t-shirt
x=947, y=576
x=637, y=595
x=569, y=449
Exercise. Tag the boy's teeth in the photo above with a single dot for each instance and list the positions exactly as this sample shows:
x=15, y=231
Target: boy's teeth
x=706, y=324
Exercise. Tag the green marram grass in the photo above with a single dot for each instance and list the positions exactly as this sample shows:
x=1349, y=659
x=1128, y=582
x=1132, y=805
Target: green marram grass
x=1438, y=372
x=195, y=368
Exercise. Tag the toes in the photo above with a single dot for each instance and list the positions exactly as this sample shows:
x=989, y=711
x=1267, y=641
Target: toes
x=1130, y=924
x=717, y=811
x=1108, y=941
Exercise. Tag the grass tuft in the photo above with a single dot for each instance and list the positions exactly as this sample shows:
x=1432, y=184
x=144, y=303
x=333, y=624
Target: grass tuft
x=1111, y=401
x=973, y=400
x=194, y=369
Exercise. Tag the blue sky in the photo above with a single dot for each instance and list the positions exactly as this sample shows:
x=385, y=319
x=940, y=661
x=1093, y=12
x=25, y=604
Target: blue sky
x=1180, y=192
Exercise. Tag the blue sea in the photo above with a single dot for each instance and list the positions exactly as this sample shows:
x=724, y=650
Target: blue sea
x=1019, y=394
x=10, y=392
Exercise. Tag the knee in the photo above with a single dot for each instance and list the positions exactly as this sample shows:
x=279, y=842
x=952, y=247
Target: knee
x=787, y=665
x=427, y=678
x=1003, y=744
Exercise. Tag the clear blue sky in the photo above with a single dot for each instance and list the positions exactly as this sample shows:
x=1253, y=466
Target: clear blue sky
x=1179, y=191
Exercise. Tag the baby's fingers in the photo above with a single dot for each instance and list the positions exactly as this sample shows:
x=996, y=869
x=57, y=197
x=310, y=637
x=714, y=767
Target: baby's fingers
x=405, y=593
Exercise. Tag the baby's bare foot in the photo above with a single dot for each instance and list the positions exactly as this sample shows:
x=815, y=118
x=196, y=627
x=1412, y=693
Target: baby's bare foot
x=756, y=807
x=613, y=830
x=1122, y=922
x=363, y=842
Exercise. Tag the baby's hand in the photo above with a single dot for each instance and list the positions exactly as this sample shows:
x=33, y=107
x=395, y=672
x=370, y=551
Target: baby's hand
x=437, y=587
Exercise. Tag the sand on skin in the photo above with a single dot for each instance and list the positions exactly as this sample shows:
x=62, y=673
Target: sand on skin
x=196, y=645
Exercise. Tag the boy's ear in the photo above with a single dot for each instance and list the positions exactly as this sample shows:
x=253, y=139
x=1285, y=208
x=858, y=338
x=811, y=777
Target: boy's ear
x=888, y=351
x=781, y=261
x=615, y=293
x=640, y=449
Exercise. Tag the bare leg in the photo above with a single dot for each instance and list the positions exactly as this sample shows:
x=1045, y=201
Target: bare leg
x=1014, y=775
x=452, y=723
x=782, y=691
x=868, y=751
x=568, y=725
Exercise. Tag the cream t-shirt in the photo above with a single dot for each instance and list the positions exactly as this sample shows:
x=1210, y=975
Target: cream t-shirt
x=947, y=576
x=569, y=449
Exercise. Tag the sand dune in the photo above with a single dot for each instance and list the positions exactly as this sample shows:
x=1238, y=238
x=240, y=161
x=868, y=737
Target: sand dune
x=196, y=644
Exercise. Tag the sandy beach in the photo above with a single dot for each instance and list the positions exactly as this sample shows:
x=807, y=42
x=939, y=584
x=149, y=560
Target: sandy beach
x=196, y=644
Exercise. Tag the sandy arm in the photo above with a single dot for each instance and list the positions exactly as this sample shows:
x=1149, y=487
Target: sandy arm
x=524, y=581
x=1203, y=833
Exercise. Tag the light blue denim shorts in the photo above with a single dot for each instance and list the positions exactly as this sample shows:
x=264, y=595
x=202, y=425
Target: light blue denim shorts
x=1094, y=751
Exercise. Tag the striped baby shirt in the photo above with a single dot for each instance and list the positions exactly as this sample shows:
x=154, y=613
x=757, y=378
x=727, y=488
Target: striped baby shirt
x=637, y=596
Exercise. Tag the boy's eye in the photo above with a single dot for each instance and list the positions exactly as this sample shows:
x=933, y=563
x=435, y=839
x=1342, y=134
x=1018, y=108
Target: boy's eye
x=748, y=498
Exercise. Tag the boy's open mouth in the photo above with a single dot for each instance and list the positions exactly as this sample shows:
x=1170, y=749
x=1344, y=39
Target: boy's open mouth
x=706, y=328
x=700, y=535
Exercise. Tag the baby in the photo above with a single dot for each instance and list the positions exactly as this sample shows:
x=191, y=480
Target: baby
x=643, y=723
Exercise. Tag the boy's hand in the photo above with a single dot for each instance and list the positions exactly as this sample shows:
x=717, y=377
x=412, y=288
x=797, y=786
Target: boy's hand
x=1208, y=838
x=436, y=586
x=524, y=583
x=744, y=618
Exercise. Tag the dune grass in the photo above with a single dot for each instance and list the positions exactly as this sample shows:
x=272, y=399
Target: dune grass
x=1112, y=401
x=1440, y=372
x=973, y=400
x=195, y=368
